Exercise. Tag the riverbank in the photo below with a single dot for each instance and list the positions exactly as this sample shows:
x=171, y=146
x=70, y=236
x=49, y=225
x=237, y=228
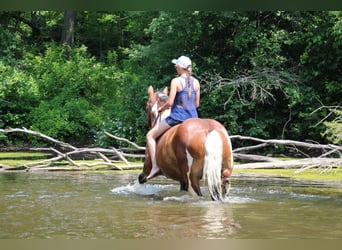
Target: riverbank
x=15, y=159
x=318, y=174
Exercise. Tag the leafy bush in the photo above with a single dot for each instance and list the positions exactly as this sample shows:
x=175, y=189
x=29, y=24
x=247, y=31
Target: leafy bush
x=334, y=128
x=72, y=93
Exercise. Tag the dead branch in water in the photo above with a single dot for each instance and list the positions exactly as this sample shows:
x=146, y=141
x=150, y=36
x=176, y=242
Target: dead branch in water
x=65, y=157
x=263, y=143
x=67, y=152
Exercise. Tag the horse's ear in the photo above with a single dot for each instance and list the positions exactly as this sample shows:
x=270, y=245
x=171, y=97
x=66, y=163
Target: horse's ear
x=165, y=91
x=150, y=90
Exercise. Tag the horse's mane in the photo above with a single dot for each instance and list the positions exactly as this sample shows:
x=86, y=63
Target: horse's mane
x=162, y=96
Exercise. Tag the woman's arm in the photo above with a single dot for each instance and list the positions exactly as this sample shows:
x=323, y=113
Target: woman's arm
x=198, y=93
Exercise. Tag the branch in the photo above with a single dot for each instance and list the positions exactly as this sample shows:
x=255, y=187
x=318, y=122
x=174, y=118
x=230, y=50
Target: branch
x=259, y=83
x=48, y=138
x=285, y=142
x=125, y=140
x=67, y=155
x=332, y=110
x=104, y=153
x=254, y=158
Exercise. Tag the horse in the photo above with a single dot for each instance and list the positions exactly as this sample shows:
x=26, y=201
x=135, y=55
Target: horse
x=189, y=151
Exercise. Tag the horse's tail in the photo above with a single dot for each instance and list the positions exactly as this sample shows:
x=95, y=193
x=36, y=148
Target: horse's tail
x=213, y=164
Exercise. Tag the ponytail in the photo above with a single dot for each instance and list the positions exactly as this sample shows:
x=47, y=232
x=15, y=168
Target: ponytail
x=188, y=74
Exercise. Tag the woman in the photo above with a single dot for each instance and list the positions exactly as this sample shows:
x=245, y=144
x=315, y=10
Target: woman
x=184, y=100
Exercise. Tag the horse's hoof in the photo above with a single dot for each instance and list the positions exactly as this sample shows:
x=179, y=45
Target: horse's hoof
x=142, y=178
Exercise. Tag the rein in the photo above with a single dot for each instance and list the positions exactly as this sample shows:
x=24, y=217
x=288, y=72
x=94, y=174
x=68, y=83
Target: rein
x=155, y=120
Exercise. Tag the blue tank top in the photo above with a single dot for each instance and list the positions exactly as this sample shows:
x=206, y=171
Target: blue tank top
x=184, y=107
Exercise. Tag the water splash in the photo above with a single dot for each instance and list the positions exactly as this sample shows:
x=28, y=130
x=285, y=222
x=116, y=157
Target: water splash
x=141, y=189
x=170, y=193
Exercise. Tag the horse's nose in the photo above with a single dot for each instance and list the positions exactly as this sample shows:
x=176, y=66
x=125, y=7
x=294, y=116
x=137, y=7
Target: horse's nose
x=226, y=181
x=226, y=186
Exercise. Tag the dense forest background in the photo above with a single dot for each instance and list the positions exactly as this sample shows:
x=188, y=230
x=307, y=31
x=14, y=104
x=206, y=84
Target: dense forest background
x=73, y=75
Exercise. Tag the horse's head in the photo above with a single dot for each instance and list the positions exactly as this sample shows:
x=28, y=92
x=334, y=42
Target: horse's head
x=155, y=100
x=225, y=178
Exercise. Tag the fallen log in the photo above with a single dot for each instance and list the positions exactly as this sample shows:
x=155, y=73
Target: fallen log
x=325, y=147
x=67, y=153
x=286, y=164
x=254, y=158
x=104, y=156
x=36, y=133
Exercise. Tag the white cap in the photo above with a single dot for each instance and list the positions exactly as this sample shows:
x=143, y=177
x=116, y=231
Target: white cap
x=183, y=61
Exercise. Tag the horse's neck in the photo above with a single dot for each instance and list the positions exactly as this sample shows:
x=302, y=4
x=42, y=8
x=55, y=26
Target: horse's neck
x=162, y=116
x=165, y=114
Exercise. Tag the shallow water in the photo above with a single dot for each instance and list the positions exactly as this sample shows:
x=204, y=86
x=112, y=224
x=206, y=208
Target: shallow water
x=114, y=206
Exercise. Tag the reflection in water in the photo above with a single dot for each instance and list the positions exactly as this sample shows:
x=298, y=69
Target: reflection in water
x=218, y=221
x=114, y=205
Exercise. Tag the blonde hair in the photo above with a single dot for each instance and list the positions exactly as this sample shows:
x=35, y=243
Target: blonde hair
x=188, y=74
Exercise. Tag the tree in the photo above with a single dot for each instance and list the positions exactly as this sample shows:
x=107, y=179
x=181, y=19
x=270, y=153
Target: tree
x=68, y=31
x=262, y=73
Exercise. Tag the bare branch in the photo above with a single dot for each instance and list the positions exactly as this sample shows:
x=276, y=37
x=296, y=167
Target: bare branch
x=332, y=110
x=289, y=142
x=125, y=140
x=260, y=82
x=68, y=152
x=48, y=138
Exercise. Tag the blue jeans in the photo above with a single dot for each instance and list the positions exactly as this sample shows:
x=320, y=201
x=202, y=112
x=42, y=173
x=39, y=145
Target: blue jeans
x=171, y=122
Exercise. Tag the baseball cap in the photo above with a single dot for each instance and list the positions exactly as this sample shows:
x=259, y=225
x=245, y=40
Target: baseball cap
x=182, y=61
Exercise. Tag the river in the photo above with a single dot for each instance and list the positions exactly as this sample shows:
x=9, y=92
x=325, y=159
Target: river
x=112, y=205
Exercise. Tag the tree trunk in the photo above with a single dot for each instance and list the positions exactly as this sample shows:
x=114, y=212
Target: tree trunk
x=68, y=32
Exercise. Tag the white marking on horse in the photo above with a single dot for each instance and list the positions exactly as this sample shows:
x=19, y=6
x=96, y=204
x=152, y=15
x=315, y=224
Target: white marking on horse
x=154, y=109
x=159, y=117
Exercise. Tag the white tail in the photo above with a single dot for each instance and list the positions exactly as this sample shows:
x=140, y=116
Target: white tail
x=213, y=164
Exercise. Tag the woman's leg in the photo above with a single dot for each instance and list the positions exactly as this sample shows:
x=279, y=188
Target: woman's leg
x=151, y=137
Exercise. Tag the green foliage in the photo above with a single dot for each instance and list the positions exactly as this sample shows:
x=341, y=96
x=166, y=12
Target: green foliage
x=334, y=128
x=10, y=46
x=72, y=93
x=262, y=73
x=18, y=95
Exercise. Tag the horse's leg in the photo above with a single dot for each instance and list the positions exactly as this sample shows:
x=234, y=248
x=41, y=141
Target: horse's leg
x=184, y=182
x=195, y=176
x=191, y=171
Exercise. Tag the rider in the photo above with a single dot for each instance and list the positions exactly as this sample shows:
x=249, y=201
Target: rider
x=184, y=99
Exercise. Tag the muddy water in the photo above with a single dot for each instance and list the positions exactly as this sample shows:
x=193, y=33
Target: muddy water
x=113, y=206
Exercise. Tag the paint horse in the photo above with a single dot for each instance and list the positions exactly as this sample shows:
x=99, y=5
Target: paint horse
x=191, y=150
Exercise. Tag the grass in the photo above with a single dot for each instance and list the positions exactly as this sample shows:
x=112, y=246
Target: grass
x=25, y=155
x=318, y=174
